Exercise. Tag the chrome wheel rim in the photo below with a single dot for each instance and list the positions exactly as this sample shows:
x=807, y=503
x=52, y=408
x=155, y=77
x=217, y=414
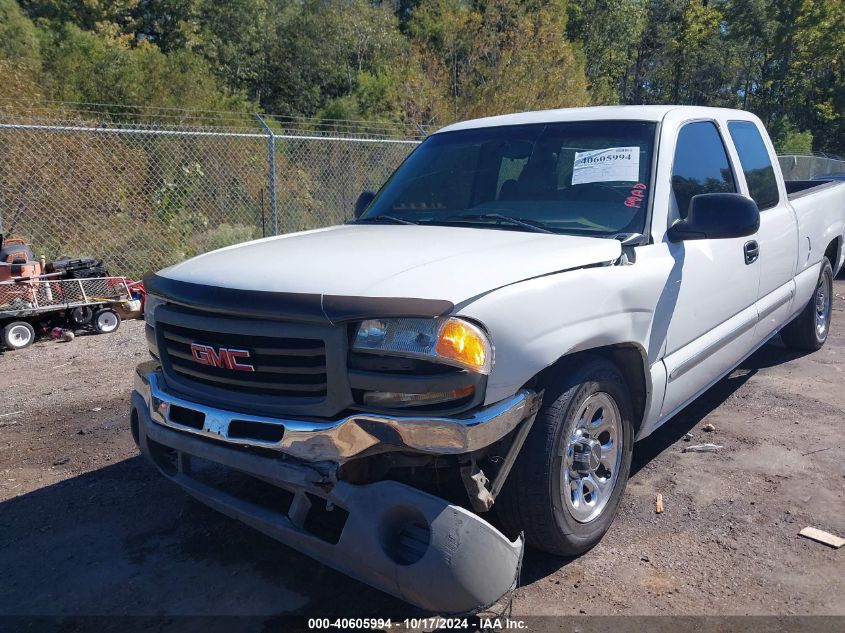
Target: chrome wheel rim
x=592, y=455
x=823, y=306
x=19, y=336
x=107, y=322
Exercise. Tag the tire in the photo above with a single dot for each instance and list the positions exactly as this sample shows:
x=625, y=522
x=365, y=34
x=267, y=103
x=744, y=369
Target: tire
x=106, y=321
x=81, y=315
x=809, y=330
x=533, y=498
x=18, y=335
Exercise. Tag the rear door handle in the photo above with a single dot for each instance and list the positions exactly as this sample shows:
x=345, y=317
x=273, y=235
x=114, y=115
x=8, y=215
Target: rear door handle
x=752, y=251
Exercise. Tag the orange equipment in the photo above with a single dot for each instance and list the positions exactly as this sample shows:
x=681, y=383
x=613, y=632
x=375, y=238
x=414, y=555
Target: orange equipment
x=17, y=260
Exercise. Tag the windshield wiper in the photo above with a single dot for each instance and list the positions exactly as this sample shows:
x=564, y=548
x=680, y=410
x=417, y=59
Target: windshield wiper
x=383, y=218
x=531, y=225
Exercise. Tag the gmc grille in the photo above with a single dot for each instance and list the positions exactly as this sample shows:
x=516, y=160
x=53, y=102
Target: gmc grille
x=289, y=367
x=299, y=367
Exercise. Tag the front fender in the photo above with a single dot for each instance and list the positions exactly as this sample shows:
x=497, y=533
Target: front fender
x=536, y=322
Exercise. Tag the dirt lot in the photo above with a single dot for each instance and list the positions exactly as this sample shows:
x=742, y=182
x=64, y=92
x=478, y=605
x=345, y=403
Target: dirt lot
x=88, y=528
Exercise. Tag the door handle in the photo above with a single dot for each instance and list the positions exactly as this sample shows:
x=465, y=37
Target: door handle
x=752, y=251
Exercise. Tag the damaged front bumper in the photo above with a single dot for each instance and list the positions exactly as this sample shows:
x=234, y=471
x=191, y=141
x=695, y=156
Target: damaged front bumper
x=413, y=545
x=337, y=440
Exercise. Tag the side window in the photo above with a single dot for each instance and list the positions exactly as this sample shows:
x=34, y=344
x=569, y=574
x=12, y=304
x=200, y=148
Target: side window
x=756, y=163
x=701, y=164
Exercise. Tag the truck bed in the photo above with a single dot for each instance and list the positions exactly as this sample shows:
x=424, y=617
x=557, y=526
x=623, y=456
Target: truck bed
x=800, y=188
x=819, y=206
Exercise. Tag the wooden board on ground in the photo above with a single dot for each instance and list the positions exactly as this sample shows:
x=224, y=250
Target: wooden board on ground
x=822, y=537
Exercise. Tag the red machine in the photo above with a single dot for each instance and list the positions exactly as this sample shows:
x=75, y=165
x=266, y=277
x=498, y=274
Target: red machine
x=17, y=260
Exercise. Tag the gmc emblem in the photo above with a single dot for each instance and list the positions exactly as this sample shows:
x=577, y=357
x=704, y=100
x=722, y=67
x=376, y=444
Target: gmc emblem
x=223, y=358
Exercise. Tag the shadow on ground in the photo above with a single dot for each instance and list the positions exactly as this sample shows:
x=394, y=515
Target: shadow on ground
x=121, y=540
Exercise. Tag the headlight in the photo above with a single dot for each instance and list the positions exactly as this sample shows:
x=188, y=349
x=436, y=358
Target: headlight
x=452, y=341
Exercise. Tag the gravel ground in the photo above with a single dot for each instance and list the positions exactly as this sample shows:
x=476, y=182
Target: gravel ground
x=89, y=529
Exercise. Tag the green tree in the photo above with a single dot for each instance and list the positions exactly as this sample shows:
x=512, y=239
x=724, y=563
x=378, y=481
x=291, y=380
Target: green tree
x=88, y=67
x=680, y=57
x=499, y=55
x=607, y=31
x=170, y=24
x=18, y=37
x=435, y=61
x=372, y=53
x=814, y=90
x=236, y=37
x=793, y=141
x=86, y=14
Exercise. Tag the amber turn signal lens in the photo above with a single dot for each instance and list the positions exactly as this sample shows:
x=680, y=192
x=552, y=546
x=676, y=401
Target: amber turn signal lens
x=464, y=343
x=393, y=399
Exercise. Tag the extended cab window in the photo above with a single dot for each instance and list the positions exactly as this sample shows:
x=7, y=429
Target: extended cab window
x=586, y=177
x=756, y=163
x=701, y=164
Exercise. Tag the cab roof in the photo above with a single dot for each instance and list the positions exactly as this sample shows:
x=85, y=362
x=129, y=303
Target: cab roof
x=596, y=113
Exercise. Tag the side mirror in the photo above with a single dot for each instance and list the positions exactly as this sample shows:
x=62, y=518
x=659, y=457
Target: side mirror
x=363, y=201
x=714, y=216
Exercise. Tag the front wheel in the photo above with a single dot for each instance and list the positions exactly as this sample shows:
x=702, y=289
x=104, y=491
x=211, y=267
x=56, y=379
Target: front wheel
x=570, y=474
x=809, y=330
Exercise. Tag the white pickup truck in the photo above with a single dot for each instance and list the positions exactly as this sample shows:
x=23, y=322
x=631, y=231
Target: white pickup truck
x=525, y=298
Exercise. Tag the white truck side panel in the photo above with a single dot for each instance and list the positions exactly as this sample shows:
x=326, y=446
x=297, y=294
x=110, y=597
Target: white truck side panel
x=536, y=322
x=821, y=219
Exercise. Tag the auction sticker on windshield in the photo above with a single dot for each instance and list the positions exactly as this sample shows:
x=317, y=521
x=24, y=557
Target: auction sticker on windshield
x=612, y=164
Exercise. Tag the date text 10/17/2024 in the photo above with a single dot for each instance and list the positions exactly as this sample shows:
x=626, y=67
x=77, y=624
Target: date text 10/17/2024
x=420, y=624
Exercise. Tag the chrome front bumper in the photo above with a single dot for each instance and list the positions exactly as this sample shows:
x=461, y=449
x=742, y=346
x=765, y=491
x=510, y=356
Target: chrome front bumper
x=351, y=436
x=406, y=542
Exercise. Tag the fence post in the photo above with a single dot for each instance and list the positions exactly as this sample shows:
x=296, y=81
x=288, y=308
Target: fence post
x=271, y=176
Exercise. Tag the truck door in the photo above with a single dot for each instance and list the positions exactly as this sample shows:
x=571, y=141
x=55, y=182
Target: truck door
x=778, y=234
x=712, y=324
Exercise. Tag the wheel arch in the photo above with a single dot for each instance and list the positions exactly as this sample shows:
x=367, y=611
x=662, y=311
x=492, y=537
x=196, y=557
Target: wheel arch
x=629, y=358
x=833, y=252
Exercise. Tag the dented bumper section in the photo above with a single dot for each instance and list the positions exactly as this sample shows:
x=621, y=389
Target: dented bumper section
x=336, y=440
x=408, y=543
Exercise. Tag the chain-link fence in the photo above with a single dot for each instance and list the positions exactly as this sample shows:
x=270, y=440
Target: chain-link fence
x=142, y=191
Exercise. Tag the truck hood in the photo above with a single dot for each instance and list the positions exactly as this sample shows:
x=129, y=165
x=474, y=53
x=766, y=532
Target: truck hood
x=428, y=262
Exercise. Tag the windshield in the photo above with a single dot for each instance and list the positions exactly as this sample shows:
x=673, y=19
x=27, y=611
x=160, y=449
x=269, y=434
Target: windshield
x=589, y=177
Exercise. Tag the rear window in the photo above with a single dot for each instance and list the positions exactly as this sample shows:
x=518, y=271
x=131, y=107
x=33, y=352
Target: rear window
x=756, y=163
